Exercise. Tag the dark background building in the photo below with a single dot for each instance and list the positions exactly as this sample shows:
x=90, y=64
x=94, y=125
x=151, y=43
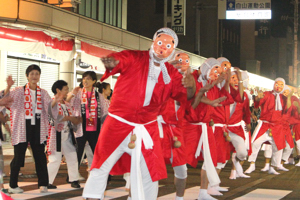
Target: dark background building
x=263, y=47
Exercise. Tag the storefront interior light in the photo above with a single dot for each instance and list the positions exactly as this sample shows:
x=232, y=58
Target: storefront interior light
x=2, y=33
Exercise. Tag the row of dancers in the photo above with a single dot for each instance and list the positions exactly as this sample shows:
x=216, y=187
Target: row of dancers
x=161, y=113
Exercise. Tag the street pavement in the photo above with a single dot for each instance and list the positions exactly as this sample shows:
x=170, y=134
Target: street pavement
x=261, y=185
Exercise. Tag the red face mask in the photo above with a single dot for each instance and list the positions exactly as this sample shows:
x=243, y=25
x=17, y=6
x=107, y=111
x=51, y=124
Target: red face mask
x=286, y=92
x=215, y=73
x=234, y=81
x=226, y=66
x=185, y=61
x=163, y=45
x=278, y=86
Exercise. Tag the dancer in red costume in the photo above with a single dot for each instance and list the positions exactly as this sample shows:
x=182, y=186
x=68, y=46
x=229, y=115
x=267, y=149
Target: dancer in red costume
x=149, y=81
x=239, y=124
x=198, y=127
x=170, y=129
x=220, y=118
x=269, y=128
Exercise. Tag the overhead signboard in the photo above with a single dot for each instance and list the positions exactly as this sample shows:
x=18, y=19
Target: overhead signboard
x=244, y=9
x=178, y=16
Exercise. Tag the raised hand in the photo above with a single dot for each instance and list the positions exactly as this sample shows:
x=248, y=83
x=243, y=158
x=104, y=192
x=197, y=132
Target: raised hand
x=188, y=80
x=238, y=73
x=220, y=79
x=109, y=62
x=10, y=81
x=76, y=90
x=58, y=97
x=260, y=94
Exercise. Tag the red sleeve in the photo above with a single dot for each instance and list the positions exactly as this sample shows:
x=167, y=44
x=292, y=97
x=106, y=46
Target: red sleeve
x=179, y=92
x=229, y=100
x=246, y=110
x=235, y=95
x=125, y=59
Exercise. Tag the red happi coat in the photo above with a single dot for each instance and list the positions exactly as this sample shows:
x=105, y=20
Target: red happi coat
x=221, y=116
x=241, y=112
x=127, y=102
x=202, y=113
x=273, y=117
x=286, y=118
x=295, y=117
x=171, y=128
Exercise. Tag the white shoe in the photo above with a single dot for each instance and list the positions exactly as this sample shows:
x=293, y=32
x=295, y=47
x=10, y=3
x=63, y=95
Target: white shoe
x=286, y=162
x=179, y=198
x=242, y=176
x=298, y=164
x=273, y=171
x=16, y=190
x=232, y=174
x=203, y=195
x=80, y=178
x=266, y=168
x=250, y=169
x=213, y=191
x=282, y=168
x=43, y=189
x=291, y=161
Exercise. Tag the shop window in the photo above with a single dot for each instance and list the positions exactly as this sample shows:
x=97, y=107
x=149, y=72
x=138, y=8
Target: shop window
x=107, y=11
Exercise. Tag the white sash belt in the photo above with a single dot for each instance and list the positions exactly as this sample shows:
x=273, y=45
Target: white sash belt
x=135, y=170
x=260, y=122
x=160, y=121
x=212, y=174
x=243, y=124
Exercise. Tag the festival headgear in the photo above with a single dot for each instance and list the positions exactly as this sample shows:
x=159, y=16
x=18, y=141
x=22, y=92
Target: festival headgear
x=161, y=63
x=278, y=105
x=287, y=88
x=221, y=60
x=206, y=67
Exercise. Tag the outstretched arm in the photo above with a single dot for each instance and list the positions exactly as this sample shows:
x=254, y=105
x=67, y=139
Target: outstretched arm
x=188, y=82
x=241, y=88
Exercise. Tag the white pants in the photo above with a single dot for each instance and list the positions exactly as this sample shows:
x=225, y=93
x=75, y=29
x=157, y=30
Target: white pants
x=69, y=151
x=256, y=145
x=239, y=144
x=298, y=146
x=268, y=151
x=221, y=165
x=286, y=152
x=96, y=183
x=89, y=154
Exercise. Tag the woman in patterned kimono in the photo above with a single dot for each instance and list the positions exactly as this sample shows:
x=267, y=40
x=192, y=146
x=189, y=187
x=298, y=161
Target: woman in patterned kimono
x=29, y=123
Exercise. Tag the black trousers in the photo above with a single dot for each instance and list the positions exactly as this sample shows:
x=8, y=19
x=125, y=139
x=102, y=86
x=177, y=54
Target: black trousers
x=91, y=137
x=40, y=159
